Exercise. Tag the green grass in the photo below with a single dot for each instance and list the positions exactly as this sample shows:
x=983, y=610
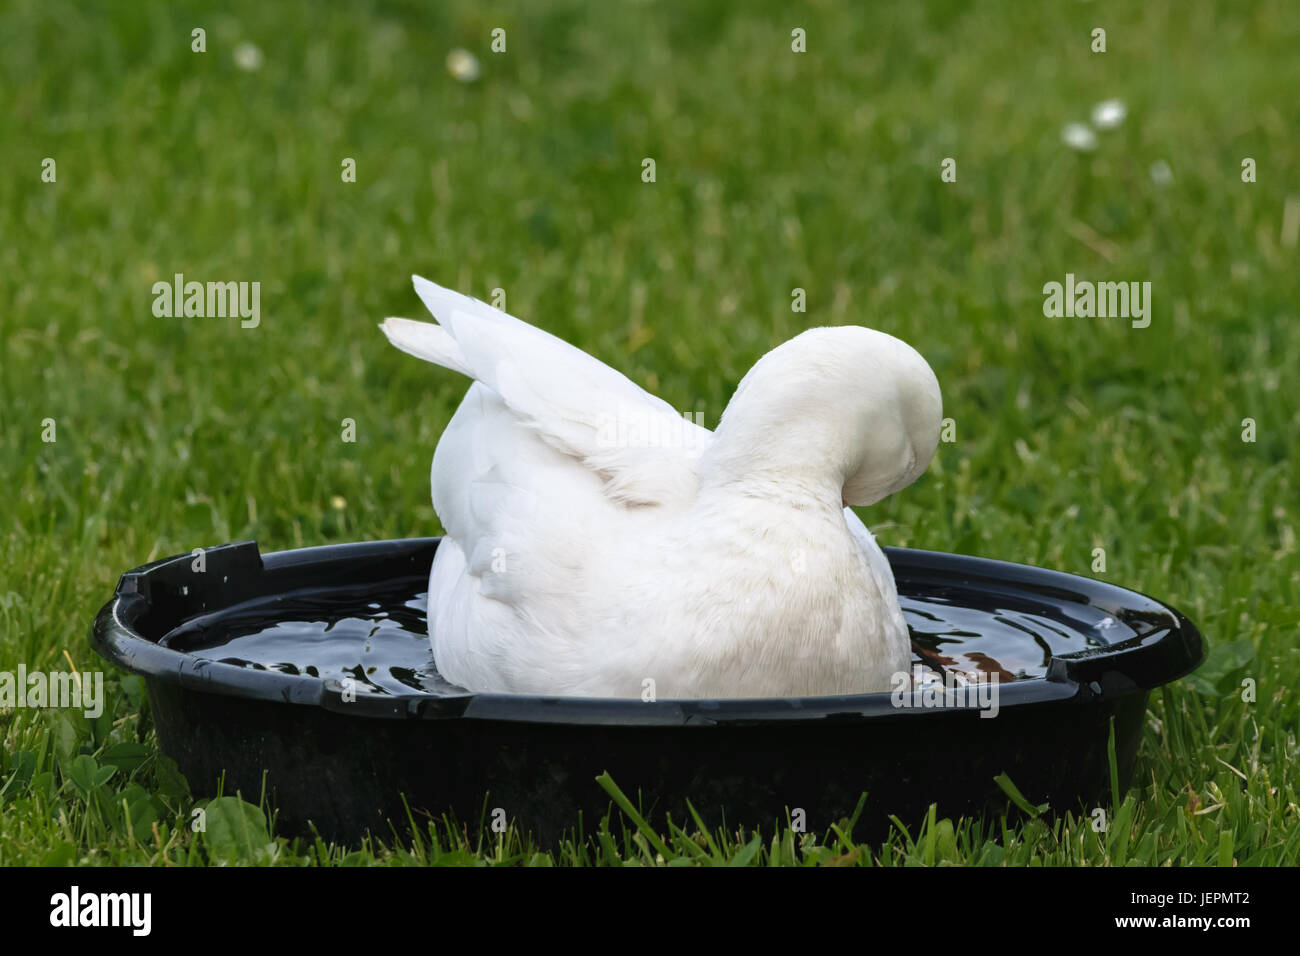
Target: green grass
x=774, y=171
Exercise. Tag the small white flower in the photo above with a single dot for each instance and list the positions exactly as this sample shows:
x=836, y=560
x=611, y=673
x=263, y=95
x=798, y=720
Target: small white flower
x=1161, y=174
x=248, y=57
x=1079, y=136
x=462, y=65
x=1108, y=114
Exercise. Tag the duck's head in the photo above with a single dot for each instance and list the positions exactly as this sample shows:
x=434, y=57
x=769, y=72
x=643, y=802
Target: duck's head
x=843, y=408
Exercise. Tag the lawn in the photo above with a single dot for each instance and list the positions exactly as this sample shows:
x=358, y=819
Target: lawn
x=773, y=171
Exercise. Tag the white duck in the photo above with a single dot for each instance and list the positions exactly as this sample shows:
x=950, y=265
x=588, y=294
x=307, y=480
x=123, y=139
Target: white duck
x=598, y=544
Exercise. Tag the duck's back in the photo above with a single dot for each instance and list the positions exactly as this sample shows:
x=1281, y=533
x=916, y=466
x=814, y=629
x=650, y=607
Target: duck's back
x=562, y=591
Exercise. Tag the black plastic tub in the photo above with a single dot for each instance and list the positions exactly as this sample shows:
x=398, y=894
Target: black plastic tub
x=312, y=667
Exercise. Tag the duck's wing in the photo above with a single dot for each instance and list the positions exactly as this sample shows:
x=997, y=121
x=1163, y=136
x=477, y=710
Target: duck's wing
x=643, y=451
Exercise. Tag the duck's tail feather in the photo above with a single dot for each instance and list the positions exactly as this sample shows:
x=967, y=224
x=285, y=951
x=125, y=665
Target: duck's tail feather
x=426, y=341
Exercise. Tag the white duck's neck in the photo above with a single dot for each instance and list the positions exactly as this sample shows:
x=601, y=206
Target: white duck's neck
x=795, y=468
x=773, y=491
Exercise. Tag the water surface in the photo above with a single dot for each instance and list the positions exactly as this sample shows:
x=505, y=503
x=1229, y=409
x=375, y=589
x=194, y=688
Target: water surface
x=381, y=640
